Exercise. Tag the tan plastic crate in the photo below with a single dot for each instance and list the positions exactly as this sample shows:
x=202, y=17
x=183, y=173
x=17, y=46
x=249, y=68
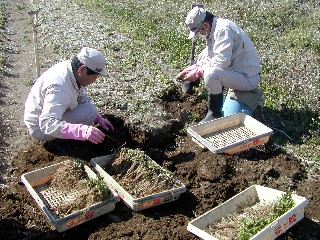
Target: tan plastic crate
x=36, y=183
x=231, y=134
x=136, y=204
x=253, y=194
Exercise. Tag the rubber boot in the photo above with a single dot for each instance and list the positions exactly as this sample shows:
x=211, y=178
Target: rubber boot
x=215, y=102
x=187, y=86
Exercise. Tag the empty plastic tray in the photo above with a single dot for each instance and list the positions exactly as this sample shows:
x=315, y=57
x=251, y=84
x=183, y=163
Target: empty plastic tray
x=231, y=134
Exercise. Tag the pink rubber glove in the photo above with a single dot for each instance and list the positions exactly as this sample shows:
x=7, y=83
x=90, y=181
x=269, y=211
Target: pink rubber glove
x=195, y=74
x=104, y=122
x=181, y=76
x=82, y=132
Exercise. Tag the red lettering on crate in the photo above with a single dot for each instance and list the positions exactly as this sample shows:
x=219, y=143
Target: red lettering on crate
x=89, y=215
x=156, y=201
x=292, y=218
x=150, y=203
x=278, y=230
x=80, y=219
x=256, y=141
x=285, y=224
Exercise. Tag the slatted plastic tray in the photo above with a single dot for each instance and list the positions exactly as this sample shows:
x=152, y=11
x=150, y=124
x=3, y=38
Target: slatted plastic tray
x=37, y=183
x=250, y=196
x=134, y=203
x=231, y=134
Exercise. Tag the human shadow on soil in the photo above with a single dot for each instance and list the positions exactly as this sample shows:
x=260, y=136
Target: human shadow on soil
x=152, y=141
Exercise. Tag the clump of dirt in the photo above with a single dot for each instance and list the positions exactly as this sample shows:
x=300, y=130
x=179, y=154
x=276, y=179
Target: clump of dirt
x=139, y=174
x=213, y=172
x=68, y=175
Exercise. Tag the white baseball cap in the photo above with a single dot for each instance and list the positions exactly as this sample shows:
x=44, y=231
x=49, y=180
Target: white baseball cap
x=92, y=59
x=195, y=19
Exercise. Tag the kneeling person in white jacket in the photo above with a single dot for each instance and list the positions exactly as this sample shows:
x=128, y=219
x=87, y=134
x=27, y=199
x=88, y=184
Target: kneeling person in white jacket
x=58, y=106
x=230, y=60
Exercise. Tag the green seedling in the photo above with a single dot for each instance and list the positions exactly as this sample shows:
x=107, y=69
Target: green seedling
x=98, y=184
x=251, y=226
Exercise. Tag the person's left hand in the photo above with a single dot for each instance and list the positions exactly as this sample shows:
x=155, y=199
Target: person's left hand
x=104, y=123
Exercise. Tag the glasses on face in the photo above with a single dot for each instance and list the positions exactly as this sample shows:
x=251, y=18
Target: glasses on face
x=197, y=28
x=91, y=72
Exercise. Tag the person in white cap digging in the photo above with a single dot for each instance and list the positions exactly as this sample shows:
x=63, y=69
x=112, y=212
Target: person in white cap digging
x=58, y=107
x=230, y=60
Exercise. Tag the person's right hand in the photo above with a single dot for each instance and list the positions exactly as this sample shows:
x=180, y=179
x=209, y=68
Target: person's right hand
x=94, y=135
x=181, y=76
x=82, y=132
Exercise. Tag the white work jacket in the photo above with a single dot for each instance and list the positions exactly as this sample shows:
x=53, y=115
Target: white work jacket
x=229, y=47
x=54, y=92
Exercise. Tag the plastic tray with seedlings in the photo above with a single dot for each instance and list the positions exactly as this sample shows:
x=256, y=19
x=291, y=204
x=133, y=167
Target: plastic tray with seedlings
x=139, y=181
x=256, y=213
x=69, y=193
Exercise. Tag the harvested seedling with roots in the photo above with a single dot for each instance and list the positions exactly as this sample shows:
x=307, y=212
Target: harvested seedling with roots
x=138, y=174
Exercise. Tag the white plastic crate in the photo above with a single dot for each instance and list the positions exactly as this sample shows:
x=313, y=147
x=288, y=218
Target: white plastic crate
x=37, y=183
x=255, y=194
x=231, y=134
x=136, y=204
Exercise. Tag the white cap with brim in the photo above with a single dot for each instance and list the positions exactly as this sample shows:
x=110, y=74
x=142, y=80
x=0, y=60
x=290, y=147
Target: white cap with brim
x=92, y=59
x=195, y=19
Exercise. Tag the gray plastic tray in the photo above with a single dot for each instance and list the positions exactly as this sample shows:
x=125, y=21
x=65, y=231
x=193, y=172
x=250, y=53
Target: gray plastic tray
x=231, y=134
x=136, y=204
x=36, y=183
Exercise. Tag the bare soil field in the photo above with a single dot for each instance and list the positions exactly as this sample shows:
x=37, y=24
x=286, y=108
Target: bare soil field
x=210, y=178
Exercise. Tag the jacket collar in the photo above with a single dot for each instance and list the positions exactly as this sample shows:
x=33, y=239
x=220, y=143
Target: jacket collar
x=72, y=77
x=213, y=27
